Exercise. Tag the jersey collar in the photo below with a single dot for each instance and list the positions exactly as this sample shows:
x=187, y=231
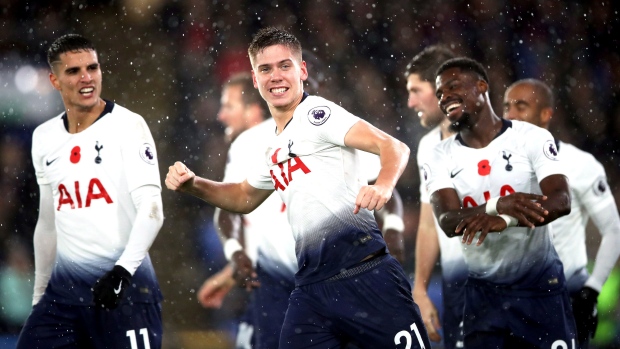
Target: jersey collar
x=506, y=124
x=109, y=106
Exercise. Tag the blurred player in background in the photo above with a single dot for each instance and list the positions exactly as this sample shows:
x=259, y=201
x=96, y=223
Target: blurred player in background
x=430, y=240
x=312, y=163
x=100, y=210
x=498, y=183
x=532, y=101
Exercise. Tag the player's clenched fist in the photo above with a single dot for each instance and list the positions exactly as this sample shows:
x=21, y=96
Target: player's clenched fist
x=179, y=177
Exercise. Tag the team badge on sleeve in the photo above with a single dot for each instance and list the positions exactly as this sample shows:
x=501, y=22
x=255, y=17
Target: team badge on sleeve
x=147, y=153
x=318, y=115
x=426, y=171
x=550, y=150
x=600, y=186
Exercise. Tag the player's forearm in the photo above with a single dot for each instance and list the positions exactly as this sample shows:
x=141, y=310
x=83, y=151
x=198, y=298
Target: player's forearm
x=394, y=156
x=426, y=251
x=146, y=226
x=448, y=221
x=558, y=201
x=228, y=225
x=608, y=224
x=227, y=196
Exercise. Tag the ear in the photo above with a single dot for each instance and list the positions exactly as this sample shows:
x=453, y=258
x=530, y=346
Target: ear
x=483, y=86
x=254, y=79
x=545, y=116
x=54, y=81
x=304, y=71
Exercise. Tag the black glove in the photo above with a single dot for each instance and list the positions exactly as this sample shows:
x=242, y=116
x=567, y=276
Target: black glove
x=586, y=314
x=108, y=290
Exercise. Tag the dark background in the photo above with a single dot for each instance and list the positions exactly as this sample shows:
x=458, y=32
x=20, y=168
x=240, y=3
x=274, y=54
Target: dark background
x=166, y=60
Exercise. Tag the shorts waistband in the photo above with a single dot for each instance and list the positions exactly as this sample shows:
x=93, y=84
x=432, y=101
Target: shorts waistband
x=360, y=268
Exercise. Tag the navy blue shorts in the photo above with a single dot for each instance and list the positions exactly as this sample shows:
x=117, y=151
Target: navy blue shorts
x=453, y=305
x=269, y=303
x=54, y=325
x=499, y=320
x=369, y=305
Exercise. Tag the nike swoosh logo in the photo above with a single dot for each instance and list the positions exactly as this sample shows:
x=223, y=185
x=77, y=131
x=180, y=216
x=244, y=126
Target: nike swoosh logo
x=47, y=163
x=452, y=174
x=118, y=290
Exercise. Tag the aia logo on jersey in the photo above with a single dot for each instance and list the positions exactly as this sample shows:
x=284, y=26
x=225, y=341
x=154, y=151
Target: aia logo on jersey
x=505, y=190
x=287, y=167
x=318, y=115
x=95, y=191
x=550, y=150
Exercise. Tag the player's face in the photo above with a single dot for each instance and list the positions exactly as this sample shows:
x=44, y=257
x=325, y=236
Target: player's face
x=421, y=98
x=520, y=103
x=77, y=75
x=232, y=111
x=459, y=96
x=279, y=74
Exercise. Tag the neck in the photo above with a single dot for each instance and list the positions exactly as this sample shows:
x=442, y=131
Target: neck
x=444, y=128
x=282, y=115
x=483, y=131
x=80, y=119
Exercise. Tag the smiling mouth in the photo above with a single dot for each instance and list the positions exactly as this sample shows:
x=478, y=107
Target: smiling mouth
x=87, y=90
x=451, y=107
x=278, y=90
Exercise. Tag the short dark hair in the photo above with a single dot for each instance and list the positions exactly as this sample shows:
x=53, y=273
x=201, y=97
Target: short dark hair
x=249, y=94
x=271, y=36
x=465, y=64
x=543, y=92
x=427, y=61
x=68, y=43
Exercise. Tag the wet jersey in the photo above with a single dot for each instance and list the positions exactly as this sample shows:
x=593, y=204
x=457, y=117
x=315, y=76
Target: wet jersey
x=318, y=178
x=92, y=174
x=515, y=161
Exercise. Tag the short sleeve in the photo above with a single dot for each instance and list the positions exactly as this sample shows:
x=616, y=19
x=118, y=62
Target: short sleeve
x=436, y=171
x=543, y=153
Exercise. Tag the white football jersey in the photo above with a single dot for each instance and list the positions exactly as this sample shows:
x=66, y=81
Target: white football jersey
x=318, y=178
x=453, y=266
x=268, y=235
x=590, y=194
x=92, y=174
x=515, y=161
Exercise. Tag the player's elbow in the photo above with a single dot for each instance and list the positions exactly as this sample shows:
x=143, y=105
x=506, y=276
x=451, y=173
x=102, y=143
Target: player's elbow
x=446, y=225
x=563, y=207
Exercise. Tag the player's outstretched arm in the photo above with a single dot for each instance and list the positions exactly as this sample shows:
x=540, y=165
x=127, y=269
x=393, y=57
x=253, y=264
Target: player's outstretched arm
x=394, y=156
x=426, y=255
x=44, y=242
x=215, y=288
x=233, y=197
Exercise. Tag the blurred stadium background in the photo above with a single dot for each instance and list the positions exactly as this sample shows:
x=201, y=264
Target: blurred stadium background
x=166, y=60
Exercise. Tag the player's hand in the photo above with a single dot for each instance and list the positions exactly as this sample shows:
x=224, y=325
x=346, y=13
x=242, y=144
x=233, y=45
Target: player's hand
x=243, y=271
x=482, y=223
x=214, y=289
x=586, y=314
x=523, y=206
x=179, y=177
x=108, y=290
x=429, y=314
x=372, y=197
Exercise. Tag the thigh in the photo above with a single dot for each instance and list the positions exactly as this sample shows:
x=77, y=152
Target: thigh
x=546, y=322
x=305, y=327
x=375, y=309
x=452, y=324
x=135, y=326
x=51, y=326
